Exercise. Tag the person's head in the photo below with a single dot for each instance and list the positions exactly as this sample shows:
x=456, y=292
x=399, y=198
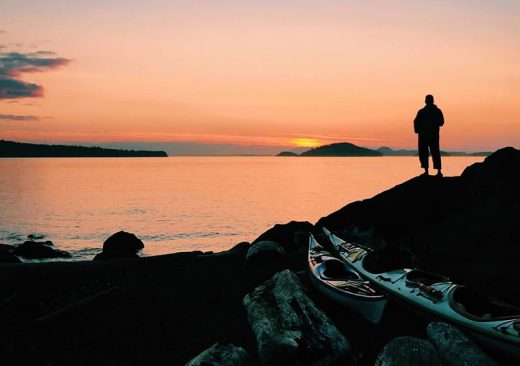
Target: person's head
x=429, y=99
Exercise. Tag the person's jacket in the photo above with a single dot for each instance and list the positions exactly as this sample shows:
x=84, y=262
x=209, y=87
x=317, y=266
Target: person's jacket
x=428, y=121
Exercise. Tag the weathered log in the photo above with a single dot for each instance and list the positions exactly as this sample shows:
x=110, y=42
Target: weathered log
x=408, y=351
x=221, y=355
x=288, y=326
x=455, y=348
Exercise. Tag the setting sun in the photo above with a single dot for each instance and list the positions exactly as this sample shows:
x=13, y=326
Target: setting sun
x=304, y=142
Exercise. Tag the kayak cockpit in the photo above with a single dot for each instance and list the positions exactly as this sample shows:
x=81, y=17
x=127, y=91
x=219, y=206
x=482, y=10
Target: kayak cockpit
x=473, y=305
x=419, y=277
x=335, y=270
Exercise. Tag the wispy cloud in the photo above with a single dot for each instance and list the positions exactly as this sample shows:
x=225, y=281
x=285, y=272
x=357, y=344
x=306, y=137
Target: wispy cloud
x=2, y=31
x=14, y=64
x=13, y=117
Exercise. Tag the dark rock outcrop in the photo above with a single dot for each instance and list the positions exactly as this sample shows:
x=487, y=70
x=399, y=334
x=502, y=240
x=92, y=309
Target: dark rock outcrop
x=449, y=224
x=240, y=248
x=293, y=237
x=35, y=236
x=289, y=328
x=7, y=248
x=408, y=351
x=262, y=252
x=122, y=241
x=454, y=348
x=39, y=250
x=221, y=355
x=120, y=245
x=8, y=257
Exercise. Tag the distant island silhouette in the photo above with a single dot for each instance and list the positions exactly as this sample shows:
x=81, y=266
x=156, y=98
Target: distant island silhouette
x=11, y=149
x=349, y=149
x=336, y=149
x=340, y=149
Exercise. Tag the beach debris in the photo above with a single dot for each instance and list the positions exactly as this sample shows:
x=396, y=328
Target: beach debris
x=455, y=348
x=408, y=351
x=221, y=354
x=288, y=326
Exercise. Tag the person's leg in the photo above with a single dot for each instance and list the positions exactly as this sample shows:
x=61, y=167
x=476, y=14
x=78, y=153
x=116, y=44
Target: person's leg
x=423, y=153
x=436, y=155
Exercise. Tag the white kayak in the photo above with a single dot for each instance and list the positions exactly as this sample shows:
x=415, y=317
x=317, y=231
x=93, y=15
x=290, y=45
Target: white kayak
x=336, y=280
x=490, y=323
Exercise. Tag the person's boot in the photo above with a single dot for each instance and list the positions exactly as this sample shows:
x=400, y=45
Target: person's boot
x=439, y=173
x=425, y=174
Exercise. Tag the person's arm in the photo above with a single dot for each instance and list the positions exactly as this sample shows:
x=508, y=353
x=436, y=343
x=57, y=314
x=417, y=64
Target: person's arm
x=416, y=122
x=441, y=118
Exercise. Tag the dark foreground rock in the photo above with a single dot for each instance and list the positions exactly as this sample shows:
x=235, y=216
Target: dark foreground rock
x=289, y=328
x=221, y=355
x=455, y=348
x=449, y=224
x=293, y=238
x=262, y=252
x=8, y=257
x=159, y=310
x=7, y=248
x=39, y=250
x=408, y=351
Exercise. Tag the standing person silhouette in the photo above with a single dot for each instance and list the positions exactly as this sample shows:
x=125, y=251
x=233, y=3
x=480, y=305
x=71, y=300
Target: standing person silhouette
x=427, y=125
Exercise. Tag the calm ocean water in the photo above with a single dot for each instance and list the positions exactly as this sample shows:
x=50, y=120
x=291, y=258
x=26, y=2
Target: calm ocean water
x=184, y=203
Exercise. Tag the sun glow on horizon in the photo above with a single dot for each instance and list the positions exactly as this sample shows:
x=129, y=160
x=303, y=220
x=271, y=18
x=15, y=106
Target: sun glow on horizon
x=306, y=142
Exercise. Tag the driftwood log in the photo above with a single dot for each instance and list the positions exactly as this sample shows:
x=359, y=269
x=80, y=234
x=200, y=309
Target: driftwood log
x=408, y=351
x=289, y=328
x=221, y=355
x=455, y=348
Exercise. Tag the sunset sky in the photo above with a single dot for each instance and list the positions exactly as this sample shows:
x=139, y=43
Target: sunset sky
x=259, y=72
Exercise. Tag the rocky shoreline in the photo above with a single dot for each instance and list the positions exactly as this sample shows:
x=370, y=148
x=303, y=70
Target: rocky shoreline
x=122, y=309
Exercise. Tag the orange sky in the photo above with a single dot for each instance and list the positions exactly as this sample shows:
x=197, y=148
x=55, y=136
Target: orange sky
x=266, y=72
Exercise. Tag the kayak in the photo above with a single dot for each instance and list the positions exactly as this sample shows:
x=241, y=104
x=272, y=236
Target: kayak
x=340, y=283
x=489, y=322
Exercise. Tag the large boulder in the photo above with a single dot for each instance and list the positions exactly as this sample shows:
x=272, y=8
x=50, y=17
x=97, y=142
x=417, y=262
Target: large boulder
x=408, y=351
x=39, y=250
x=221, y=355
x=455, y=349
x=239, y=249
x=122, y=242
x=284, y=234
x=288, y=326
x=293, y=237
x=120, y=245
x=262, y=252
